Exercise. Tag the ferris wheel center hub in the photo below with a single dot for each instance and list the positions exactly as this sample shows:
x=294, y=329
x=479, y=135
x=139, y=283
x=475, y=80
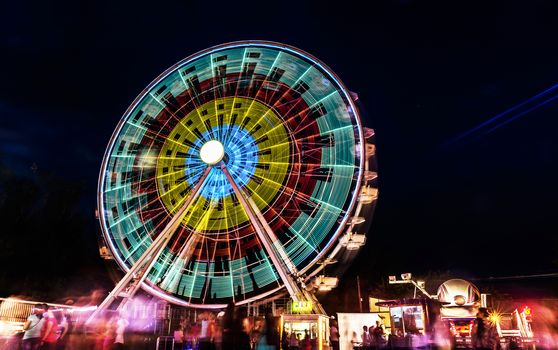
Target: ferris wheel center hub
x=212, y=152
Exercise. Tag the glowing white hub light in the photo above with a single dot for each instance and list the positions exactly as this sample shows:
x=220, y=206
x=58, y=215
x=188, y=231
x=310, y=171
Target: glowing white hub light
x=212, y=152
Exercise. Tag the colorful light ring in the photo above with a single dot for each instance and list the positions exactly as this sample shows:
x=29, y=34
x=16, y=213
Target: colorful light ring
x=292, y=141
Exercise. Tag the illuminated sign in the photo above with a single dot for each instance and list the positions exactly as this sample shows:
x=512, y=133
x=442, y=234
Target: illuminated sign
x=301, y=307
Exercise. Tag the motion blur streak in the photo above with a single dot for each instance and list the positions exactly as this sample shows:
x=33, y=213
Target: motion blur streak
x=538, y=100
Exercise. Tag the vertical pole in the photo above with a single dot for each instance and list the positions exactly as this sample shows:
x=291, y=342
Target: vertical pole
x=169, y=315
x=359, y=295
x=403, y=321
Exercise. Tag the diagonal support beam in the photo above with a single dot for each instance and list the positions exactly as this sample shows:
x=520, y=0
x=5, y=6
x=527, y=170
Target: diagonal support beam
x=130, y=283
x=265, y=239
x=273, y=247
x=172, y=277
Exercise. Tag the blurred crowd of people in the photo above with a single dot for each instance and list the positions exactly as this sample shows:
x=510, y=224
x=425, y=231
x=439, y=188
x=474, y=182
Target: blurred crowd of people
x=46, y=329
x=299, y=341
x=50, y=329
x=233, y=330
x=373, y=337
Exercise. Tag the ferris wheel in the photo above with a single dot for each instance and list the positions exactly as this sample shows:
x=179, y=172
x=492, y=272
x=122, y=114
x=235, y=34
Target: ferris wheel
x=234, y=175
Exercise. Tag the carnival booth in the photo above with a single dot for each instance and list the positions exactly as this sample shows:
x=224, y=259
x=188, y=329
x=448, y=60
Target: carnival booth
x=301, y=322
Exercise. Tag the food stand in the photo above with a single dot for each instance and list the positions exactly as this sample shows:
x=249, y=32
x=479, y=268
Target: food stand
x=301, y=320
x=411, y=321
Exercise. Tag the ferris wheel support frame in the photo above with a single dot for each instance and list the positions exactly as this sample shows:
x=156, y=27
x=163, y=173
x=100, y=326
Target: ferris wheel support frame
x=132, y=280
x=285, y=267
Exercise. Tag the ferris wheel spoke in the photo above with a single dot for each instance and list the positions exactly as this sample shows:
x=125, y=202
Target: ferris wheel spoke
x=168, y=231
x=260, y=87
x=277, y=102
x=278, y=215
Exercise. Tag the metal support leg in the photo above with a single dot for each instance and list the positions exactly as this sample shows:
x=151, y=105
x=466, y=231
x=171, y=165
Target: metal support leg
x=171, y=279
x=130, y=283
x=285, y=267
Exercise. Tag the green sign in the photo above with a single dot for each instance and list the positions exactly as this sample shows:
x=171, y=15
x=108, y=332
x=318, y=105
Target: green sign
x=301, y=307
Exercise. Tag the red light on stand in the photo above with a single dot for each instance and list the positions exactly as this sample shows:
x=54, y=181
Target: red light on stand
x=528, y=314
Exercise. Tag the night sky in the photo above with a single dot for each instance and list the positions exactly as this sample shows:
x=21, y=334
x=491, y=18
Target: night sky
x=455, y=200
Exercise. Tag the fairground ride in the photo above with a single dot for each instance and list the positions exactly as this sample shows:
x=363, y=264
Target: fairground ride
x=239, y=172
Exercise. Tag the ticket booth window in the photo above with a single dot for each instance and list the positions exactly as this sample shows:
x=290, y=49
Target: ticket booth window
x=316, y=325
x=300, y=329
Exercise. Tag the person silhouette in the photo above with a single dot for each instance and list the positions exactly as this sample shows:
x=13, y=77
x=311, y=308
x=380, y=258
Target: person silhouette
x=33, y=328
x=484, y=335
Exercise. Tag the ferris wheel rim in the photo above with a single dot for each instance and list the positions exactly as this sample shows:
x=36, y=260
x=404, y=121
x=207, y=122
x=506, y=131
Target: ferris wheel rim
x=359, y=143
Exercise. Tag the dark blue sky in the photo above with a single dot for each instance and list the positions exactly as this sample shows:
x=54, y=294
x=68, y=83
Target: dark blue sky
x=425, y=71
